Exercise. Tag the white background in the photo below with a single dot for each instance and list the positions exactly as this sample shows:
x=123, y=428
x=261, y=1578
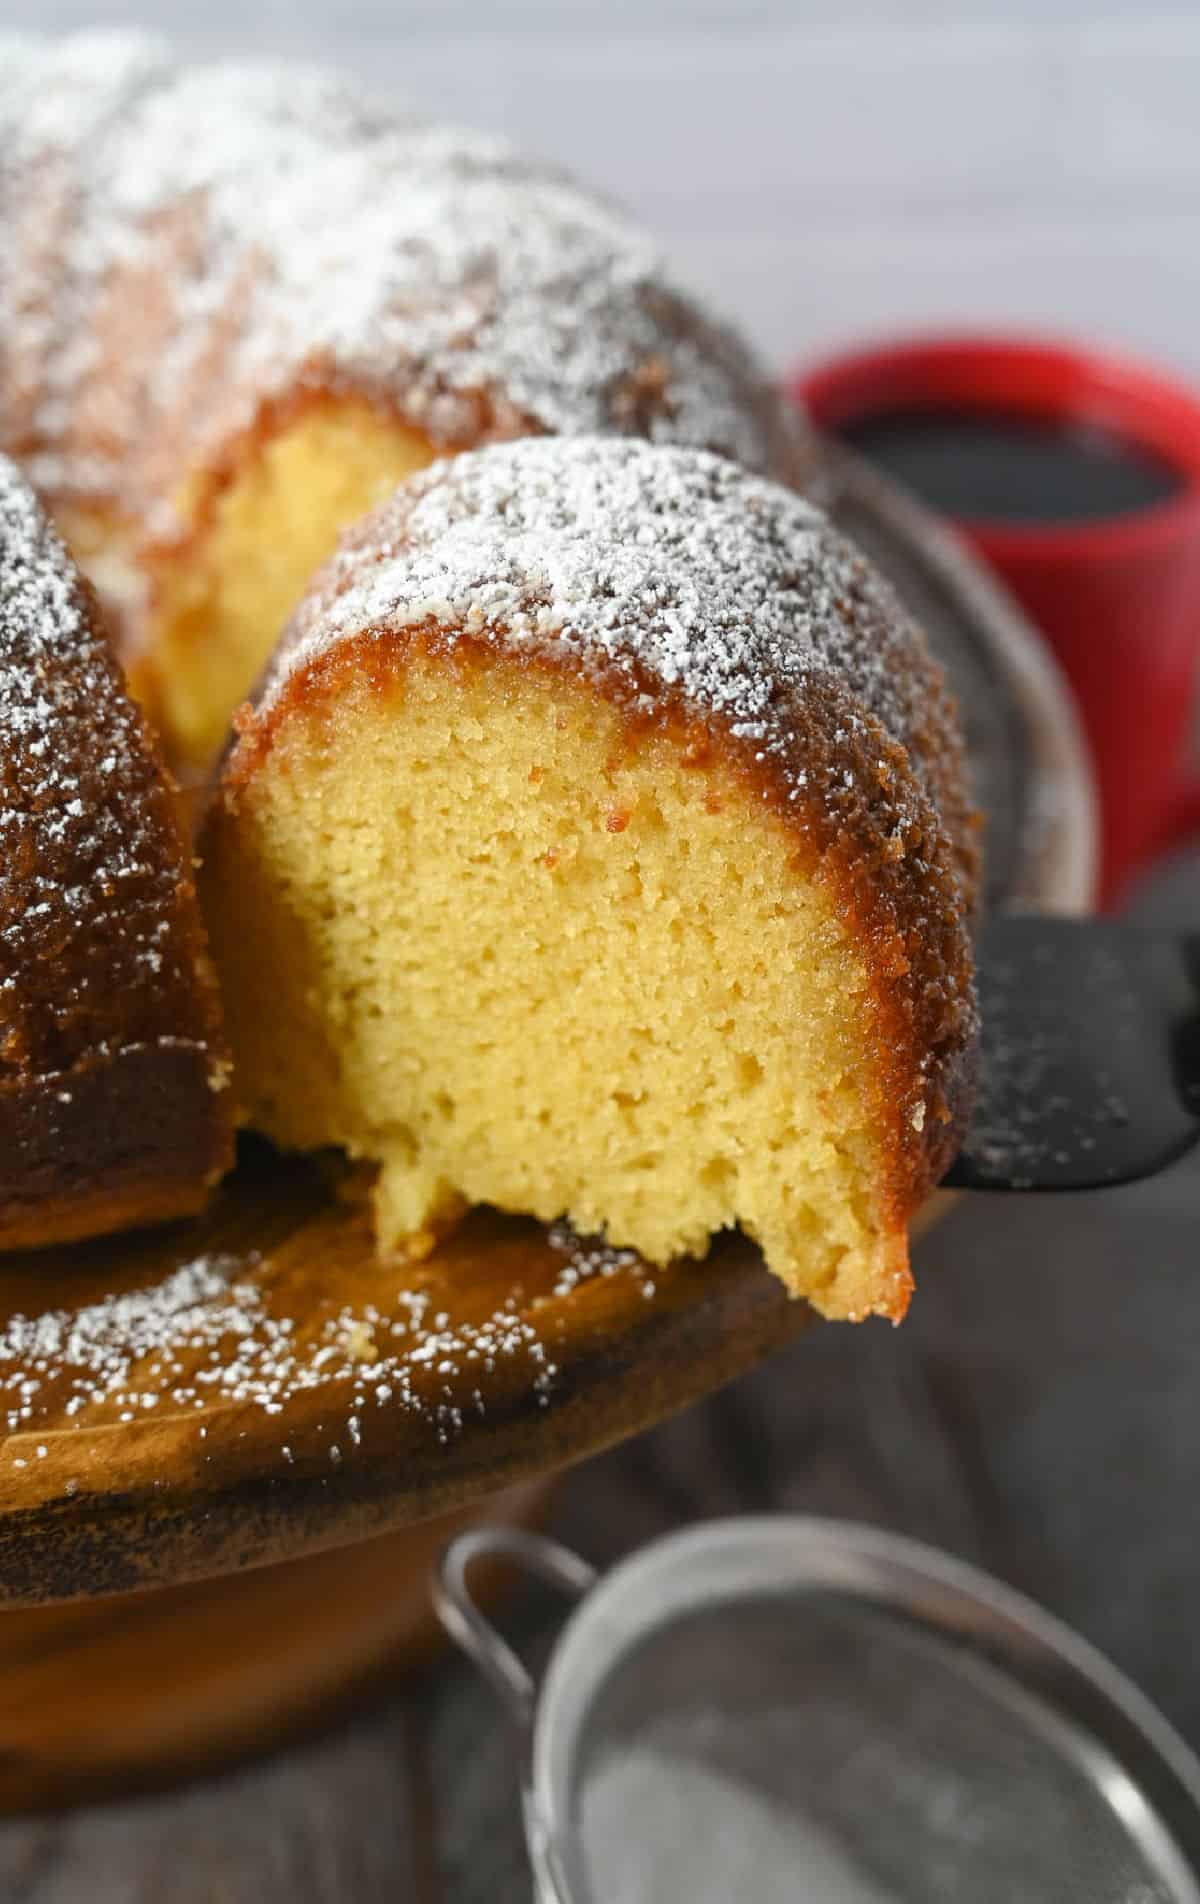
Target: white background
x=824, y=171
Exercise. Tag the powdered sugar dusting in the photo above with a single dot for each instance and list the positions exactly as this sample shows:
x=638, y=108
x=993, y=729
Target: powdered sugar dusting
x=588, y=1258
x=667, y=565
x=215, y=237
x=203, y=1339
x=214, y=1334
x=92, y=955
x=57, y=678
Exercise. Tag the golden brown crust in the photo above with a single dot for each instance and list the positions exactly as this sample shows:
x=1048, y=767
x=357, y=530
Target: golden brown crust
x=118, y=1142
x=734, y=588
x=642, y=403
x=112, y=1059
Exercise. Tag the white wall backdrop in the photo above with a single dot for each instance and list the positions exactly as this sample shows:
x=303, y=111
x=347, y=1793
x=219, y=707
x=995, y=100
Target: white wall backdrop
x=825, y=171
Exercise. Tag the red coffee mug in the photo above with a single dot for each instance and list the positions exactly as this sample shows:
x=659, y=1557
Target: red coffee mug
x=1117, y=597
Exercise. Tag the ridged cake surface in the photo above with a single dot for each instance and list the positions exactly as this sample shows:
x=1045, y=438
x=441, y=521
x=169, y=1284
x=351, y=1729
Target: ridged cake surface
x=114, y=1107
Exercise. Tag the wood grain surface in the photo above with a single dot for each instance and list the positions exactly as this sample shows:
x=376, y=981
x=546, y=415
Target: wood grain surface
x=521, y=1362
x=102, y=1697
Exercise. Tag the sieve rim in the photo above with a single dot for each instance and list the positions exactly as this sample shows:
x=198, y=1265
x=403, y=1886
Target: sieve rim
x=1110, y=1720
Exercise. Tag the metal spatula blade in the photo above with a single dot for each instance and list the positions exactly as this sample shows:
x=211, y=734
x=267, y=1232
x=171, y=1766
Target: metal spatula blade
x=1090, y=1058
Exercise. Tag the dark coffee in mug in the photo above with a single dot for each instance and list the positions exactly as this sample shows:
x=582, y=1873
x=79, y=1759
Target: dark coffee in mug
x=1076, y=474
x=1004, y=466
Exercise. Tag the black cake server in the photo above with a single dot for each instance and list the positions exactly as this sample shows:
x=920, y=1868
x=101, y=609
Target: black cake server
x=1090, y=1071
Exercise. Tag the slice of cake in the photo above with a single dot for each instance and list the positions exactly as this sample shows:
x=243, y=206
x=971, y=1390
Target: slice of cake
x=598, y=848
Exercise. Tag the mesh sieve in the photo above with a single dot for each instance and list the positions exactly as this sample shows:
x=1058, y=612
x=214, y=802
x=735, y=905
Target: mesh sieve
x=783, y=1708
x=816, y=1746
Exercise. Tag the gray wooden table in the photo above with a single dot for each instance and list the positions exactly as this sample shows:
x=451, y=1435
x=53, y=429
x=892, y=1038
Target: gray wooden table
x=1039, y=1413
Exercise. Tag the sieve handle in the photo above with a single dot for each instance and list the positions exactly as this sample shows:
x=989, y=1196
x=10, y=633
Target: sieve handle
x=470, y=1628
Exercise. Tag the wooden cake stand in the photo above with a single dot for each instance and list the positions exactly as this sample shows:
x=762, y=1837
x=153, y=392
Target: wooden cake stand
x=233, y=1448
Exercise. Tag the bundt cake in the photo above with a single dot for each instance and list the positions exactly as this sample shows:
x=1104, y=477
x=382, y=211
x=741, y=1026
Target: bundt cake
x=597, y=847
x=240, y=302
x=114, y=1106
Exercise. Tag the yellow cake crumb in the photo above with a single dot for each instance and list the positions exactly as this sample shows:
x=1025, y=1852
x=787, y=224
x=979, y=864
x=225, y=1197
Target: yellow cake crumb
x=215, y=616
x=440, y=953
